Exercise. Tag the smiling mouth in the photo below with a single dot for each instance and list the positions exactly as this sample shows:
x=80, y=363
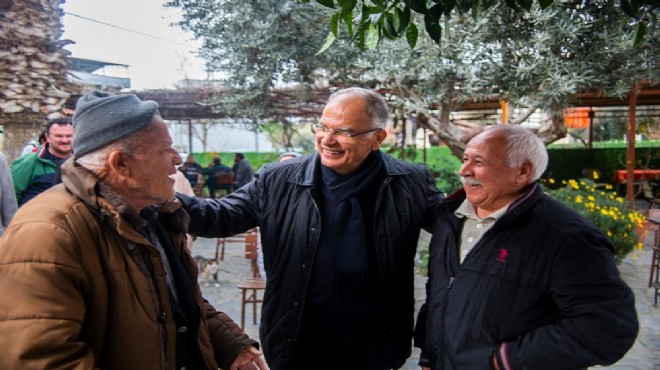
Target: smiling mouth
x=333, y=152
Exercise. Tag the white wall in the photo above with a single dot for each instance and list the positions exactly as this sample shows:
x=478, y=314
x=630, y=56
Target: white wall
x=220, y=138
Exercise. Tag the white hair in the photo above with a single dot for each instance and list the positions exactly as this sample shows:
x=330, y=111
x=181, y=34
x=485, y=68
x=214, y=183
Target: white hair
x=376, y=104
x=522, y=146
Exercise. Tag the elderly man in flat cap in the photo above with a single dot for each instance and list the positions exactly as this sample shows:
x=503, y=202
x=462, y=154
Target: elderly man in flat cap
x=94, y=272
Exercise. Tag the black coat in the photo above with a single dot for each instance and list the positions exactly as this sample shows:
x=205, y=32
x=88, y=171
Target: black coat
x=543, y=280
x=283, y=201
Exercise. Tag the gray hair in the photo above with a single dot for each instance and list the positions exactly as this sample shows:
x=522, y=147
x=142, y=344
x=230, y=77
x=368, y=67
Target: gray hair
x=376, y=104
x=97, y=160
x=523, y=145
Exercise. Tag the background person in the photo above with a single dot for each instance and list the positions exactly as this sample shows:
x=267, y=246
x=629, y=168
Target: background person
x=517, y=280
x=91, y=277
x=243, y=172
x=339, y=231
x=35, y=172
x=8, y=203
x=213, y=172
x=194, y=173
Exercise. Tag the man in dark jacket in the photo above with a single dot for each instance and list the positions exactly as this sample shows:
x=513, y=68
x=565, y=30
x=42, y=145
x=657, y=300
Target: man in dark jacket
x=339, y=231
x=518, y=280
x=215, y=173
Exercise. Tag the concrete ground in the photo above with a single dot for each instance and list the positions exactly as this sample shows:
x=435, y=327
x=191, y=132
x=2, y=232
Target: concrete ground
x=644, y=355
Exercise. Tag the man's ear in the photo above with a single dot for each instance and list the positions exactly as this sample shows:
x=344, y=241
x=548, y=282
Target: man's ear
x=380, y=136
x=118, y=163
x=525, y=173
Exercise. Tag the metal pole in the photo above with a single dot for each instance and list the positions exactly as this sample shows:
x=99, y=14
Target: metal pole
x=630, y=149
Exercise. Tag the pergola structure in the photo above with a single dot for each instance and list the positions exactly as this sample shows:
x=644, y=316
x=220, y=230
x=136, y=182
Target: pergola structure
x=199, y=103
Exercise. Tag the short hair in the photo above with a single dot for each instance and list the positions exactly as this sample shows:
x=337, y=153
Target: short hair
x=239, y=155
x=60, y=121
x=523, y=145
x=217, y=160
x=376, y=104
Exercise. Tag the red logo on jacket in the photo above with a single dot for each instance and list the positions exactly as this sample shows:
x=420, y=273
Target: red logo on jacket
x=503, y=254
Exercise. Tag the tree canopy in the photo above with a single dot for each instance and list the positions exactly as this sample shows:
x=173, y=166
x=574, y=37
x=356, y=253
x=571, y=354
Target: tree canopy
x=537, y=59
x=368, y=22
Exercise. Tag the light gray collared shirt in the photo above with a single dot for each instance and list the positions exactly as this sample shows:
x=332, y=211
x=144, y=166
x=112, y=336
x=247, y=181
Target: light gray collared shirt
x=473, y=226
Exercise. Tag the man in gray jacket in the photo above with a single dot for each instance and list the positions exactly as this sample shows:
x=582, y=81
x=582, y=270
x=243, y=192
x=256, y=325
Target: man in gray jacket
x=339, y=232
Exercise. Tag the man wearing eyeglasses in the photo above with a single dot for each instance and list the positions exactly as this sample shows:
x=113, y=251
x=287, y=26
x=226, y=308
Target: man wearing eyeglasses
x=339, y=233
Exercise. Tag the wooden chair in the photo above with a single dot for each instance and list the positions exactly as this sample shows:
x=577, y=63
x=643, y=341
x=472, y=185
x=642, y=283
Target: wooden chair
x=220, y=245
x=251, y=286
x=225, y=183
x=222, y=242
x=650, y=194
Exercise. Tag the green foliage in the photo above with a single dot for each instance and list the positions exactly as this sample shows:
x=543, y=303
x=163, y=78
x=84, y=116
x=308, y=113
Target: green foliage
x=606, y=210
x=641, y=15
x=567, y=162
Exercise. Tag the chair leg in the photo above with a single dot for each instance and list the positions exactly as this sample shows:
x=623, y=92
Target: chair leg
x=243, y=309
x=254, y=306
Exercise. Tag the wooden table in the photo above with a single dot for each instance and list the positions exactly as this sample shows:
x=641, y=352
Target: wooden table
x=621, y=175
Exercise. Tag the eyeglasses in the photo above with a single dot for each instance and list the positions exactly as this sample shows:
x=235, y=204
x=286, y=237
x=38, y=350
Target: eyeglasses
x=340, y=134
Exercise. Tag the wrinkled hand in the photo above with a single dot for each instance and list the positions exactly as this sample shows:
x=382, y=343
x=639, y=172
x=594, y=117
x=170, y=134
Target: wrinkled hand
x=249, y=359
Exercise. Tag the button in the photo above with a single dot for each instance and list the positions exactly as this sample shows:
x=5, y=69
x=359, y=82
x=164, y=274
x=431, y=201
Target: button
x=479, y=226
x=182, y=329
x=304, y=266
x=470, y=239
x=295, y=304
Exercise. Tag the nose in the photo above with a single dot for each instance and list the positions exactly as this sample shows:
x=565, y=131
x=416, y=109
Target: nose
x=177, y=159
x=464, y=170
x=328, y=138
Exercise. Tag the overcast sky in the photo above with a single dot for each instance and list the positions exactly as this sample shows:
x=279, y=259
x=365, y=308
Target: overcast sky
x=136, y=33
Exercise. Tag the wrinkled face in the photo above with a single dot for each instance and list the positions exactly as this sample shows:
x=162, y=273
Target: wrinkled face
x=59, y=139
x=149, y=167
x=488, y=182
x=342, y=154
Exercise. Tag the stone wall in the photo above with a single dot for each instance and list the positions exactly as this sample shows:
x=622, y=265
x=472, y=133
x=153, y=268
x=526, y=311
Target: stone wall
x=33, y=69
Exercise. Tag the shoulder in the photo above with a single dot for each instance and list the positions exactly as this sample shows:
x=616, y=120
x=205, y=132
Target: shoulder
x=20, y=162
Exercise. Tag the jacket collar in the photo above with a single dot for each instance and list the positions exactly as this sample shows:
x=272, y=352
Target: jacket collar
x=304, y=173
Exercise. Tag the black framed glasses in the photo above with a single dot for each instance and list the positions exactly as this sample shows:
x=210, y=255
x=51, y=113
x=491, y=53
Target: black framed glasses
x=321, y=129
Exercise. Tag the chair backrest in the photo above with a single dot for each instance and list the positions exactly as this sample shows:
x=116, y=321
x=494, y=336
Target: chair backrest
x=252, y=252
x=226, y=178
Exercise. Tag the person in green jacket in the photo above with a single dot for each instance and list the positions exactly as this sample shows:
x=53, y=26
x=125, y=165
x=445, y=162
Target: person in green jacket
x=35, y=172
